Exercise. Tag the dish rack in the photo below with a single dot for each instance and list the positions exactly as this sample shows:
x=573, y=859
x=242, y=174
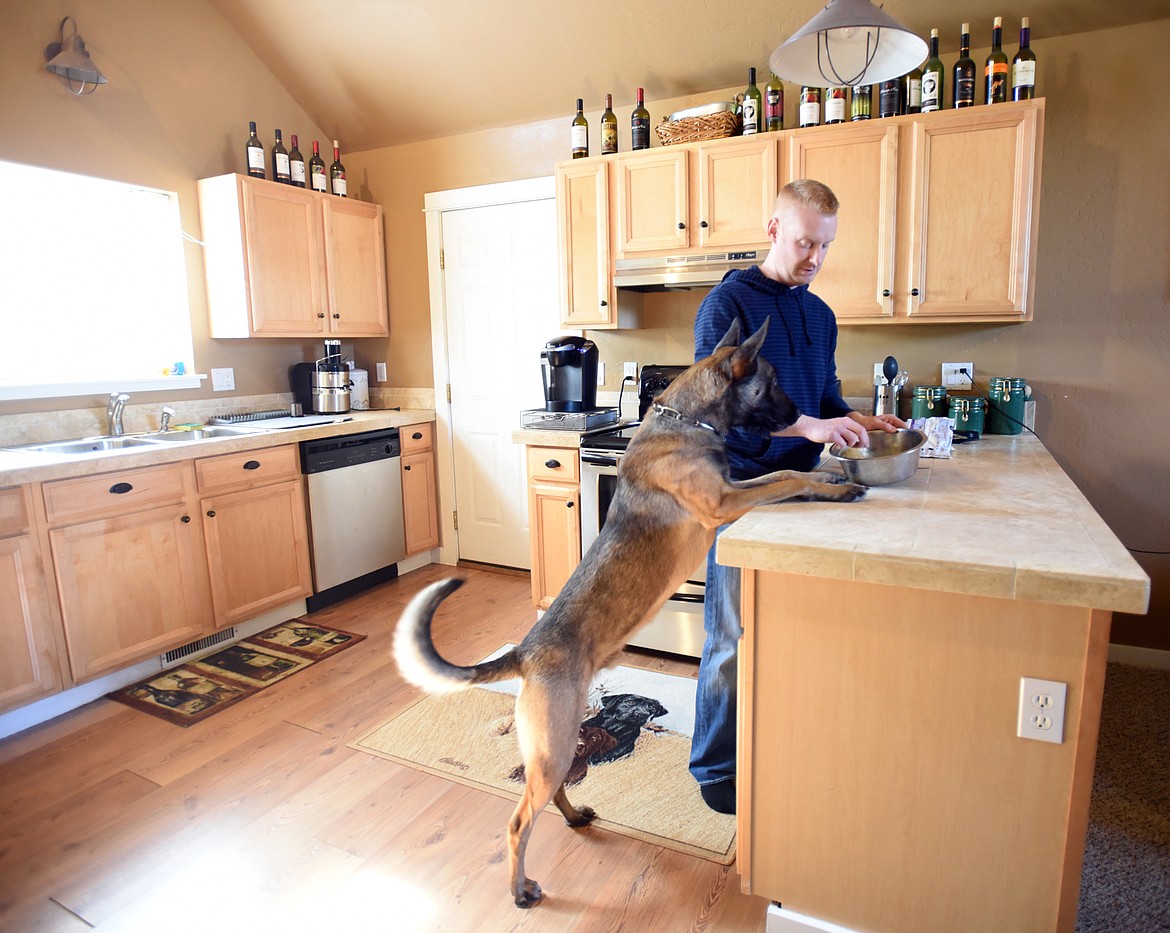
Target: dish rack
x=243, y=416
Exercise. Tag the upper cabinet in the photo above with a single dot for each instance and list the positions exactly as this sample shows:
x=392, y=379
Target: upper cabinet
x=282, y=261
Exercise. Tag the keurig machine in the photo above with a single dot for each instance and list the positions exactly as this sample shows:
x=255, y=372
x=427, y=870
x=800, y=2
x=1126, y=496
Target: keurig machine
x=568, y=366
x=323, y=387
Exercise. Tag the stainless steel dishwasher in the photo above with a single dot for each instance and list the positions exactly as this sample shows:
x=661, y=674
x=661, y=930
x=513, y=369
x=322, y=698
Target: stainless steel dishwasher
x=355, y=512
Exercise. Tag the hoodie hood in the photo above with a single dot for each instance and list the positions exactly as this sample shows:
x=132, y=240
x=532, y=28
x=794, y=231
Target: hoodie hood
x=789, y=306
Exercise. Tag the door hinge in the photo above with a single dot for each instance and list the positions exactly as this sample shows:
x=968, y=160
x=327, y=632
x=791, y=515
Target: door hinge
x=455, y=519
x=448, y=393
x=442, y=259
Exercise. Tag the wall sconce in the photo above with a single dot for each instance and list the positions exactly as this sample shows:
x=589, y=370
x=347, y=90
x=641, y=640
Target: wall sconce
x=69, y=60
x=849, y=42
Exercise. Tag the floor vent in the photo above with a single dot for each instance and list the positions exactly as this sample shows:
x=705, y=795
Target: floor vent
x=178, y=654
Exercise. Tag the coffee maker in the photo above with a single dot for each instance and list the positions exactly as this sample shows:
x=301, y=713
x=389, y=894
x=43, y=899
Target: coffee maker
x=323, y=387
x=568, y=366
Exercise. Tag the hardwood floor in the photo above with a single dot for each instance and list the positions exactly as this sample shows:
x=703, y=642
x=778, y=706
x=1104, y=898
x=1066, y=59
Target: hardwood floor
x=262, y=819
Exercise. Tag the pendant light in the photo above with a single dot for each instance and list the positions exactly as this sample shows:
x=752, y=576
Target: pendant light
x=69, y=60
x=849, y=42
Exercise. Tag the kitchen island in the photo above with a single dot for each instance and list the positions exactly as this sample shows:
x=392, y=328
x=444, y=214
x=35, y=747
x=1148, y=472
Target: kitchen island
x=883, y=786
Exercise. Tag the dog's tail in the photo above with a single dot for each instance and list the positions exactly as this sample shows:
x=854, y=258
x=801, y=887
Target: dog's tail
x=421, y=664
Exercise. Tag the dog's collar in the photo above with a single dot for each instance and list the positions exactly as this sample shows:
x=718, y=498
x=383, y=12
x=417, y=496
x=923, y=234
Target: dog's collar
x=660, y=409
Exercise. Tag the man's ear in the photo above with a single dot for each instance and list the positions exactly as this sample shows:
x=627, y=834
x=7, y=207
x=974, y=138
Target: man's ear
x=743, y=360
x=731, y=338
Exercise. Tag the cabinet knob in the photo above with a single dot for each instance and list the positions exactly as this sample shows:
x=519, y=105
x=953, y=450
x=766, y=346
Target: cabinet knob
x=186, y=519
x=568, y=505
x=914, y=292
x=320, y=314
x=336, y=316
x=119, y=489
x=211, y=513
x=252, y=465
x=416, y=436
x=407, y=468
x=885, y=293
x=703, y=224
x=681, y=225
x=553, y=464
x=604, y=303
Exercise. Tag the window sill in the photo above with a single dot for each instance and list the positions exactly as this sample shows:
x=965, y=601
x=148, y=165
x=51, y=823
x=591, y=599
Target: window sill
x=11, y=390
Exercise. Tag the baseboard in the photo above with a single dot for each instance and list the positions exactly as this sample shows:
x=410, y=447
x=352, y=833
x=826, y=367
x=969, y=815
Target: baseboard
x=1140, y=657
x=780, y=920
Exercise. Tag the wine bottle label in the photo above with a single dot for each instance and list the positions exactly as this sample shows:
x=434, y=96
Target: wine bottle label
x=774, y=108
x=609, y=137
x=1024, y=74
x=914, y=93
x=810, y=113
x=965, y=90
x=640, y=131
x=319, y=181
x=930, y=99
x=255, y=158
x=297, y=171
x=835, y=109
x=751, y=116
x=579, y=136
x=339, y=186
x=281, y=164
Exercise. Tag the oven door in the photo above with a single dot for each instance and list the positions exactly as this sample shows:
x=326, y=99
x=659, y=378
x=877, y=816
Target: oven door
x=678, y=626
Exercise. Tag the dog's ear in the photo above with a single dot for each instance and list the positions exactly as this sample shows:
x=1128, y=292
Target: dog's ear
x=743, y=360
x=731, y=338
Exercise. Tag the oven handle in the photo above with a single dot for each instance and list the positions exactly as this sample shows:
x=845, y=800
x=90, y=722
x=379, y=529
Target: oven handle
x=597, y=460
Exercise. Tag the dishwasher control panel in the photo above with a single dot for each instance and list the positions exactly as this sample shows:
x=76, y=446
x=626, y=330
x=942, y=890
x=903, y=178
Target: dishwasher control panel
x=334, y=453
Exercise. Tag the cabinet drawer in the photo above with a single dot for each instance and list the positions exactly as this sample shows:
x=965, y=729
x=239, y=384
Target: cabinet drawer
x=250, y=468
x=416, y=437
x=13, y=514
x=72, y=500
x=553, y=465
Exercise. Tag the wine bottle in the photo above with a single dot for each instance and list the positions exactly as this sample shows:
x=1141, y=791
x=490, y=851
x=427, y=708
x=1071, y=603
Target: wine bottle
x=1024, y=66
x=964, y=72
x=810, y=106
x=862, y=106
x=912, y=91
x=317, y=170
x=640, y=124
x=609, y=142
x=255, y=153
x=337, y=173
x=995, y=69
x=296, y=164
x=579, y=132
x=774, y=104
x=933, y=78
x=280, y=161
x=890, y=98
x=835, y=105
x=753, y=106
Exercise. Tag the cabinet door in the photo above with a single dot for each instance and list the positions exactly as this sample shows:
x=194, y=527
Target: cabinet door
x=737, y=191
x=130, y=587
x=285, y=259
x=972, y=244
x=860, y=163
x=653, y=193
x=554, y=513
x=355, y=263
x=420, y=501
x=257, y=550
x=583, y=230
x=28, y=653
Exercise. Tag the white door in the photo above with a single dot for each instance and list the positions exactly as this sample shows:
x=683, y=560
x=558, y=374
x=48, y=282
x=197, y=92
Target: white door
x=500, y=290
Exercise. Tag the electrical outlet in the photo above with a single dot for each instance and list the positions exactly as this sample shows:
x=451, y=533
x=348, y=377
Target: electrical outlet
x=958, y=375
x=223, y=380
x=381, y=371
x=1041, y=710
x=629, y=370
x=601, y=372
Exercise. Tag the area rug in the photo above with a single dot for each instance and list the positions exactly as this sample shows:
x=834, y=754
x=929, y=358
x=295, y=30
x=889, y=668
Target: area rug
x=631, y=764
x=191, y=692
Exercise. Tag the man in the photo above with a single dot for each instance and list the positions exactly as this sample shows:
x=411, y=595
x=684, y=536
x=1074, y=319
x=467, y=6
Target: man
x=801, y=345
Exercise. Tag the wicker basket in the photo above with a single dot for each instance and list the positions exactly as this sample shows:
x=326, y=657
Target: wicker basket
x=694, y=129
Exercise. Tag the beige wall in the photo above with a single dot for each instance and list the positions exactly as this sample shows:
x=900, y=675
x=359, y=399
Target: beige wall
x=183, y=86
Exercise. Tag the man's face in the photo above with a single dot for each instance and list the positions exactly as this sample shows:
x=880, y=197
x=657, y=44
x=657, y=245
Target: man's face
x=800, y=239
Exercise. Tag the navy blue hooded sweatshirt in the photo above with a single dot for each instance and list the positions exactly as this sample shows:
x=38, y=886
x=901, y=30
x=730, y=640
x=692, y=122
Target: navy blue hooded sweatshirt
x=801, y=345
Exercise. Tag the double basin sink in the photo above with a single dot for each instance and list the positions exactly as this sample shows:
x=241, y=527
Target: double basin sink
x=108, y=443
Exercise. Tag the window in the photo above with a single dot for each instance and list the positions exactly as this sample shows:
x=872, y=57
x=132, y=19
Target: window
x=93, y=287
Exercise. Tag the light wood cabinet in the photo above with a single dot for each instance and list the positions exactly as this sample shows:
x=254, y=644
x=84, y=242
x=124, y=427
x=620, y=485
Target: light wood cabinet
x=938, y=213
x=256, y=533
x=420, y=501
x=554, y=517
x=129, y=565
x=287, y=262
x=30, y=665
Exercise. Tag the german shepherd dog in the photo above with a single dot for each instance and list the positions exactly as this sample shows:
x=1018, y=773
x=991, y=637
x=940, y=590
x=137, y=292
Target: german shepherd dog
x=673, y=492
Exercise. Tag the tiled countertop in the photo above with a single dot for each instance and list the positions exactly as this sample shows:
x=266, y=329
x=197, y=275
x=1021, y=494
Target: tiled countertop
x=1000, y=518
x=18, y=467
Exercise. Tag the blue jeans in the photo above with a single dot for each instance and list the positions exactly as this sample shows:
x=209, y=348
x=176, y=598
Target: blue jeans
x=713, y=745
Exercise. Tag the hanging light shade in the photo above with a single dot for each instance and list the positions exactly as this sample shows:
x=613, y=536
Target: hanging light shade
x=69, y=60
x=849, y=42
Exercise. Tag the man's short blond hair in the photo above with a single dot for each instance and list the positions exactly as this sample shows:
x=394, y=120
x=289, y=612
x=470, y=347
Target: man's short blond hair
x=809, y=192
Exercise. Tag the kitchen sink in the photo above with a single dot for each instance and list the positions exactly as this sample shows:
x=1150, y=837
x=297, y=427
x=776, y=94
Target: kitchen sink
x=197, y=434
x=107, y=444
x=89, y=445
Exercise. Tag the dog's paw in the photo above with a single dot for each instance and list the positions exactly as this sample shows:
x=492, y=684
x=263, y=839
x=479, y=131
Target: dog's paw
x=530, y=894
x=586, y=816
x=851, y=492
x=831, y=478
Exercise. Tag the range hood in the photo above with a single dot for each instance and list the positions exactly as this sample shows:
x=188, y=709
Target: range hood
x=688, y=270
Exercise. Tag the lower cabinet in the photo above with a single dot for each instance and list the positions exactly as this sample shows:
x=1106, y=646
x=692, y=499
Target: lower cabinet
x=253, y=516
x=29, y=656
x=130, y=570
x=420, y=505
x=554, y=518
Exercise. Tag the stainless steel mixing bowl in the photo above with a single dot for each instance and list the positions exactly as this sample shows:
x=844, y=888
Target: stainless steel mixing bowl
x=889, y=458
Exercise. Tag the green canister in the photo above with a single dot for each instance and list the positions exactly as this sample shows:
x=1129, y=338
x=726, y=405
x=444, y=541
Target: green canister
x=1005, y=405
x=966, y=412
x=929, y=402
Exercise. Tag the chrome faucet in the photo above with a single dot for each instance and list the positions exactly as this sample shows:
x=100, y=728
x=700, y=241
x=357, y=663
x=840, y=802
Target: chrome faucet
x=164, y=422
x=114, y=405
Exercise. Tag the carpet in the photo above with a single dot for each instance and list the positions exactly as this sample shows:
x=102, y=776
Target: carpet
x=631, y=765
x=191, y=692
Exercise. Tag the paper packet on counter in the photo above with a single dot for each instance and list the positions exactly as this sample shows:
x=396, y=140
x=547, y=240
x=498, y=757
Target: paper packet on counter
x=939, y=435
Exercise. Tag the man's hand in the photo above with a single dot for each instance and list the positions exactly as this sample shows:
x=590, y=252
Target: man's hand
x=887, y=423
x=846, y=431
